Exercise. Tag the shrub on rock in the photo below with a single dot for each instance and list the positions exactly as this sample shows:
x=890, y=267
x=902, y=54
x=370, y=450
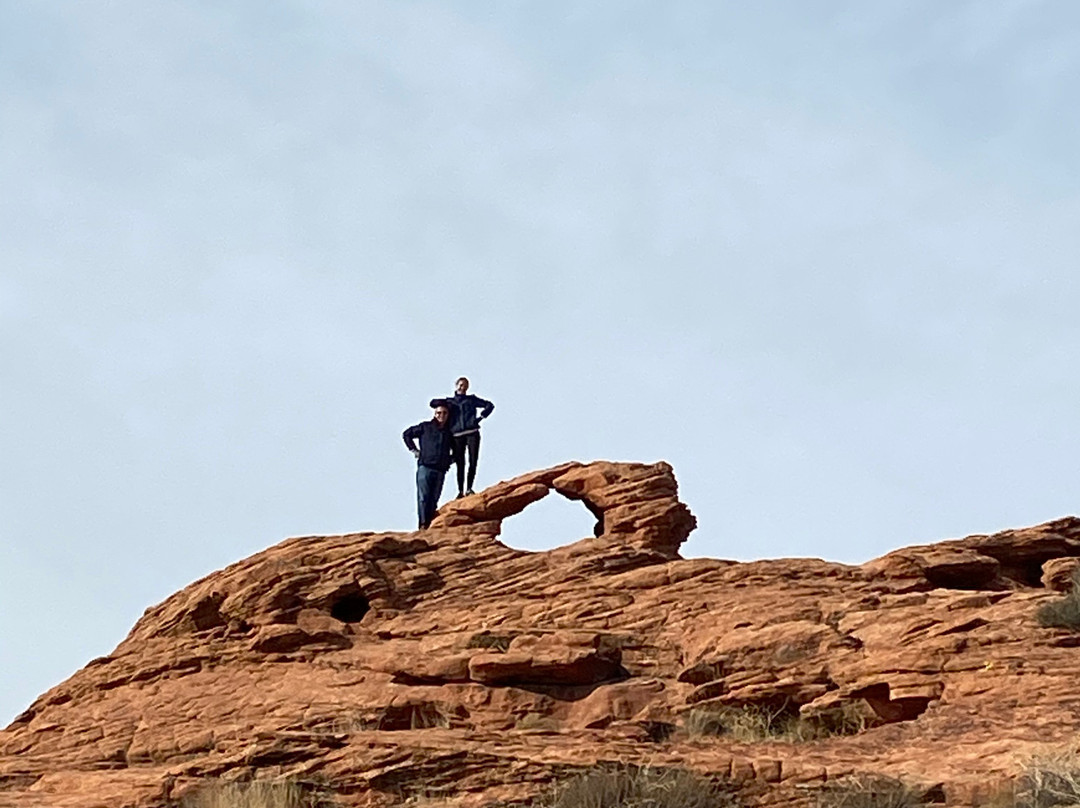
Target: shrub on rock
x=870, y=791
x=639, y=788
x=1063, y=612
x=1049, y=783
x=255, y=794
x=756, y=723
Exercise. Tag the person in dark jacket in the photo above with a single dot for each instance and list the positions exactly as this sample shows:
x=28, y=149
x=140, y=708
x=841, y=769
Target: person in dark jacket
x=433, y=458
x=465, y=426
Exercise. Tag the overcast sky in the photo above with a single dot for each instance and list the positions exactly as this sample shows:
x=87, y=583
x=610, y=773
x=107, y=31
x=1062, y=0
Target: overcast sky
x=821, y=257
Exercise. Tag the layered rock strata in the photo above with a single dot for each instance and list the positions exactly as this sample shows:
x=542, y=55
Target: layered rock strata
x=379, y=666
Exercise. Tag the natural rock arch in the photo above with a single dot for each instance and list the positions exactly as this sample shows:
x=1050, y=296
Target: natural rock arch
x=547, y=524
x=634, y=504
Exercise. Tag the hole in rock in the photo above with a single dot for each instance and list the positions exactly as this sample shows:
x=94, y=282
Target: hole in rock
x=206, y=614
x=1028, y=573
x=419, y=715
x=350, y=608
x=961, y=577
x=554, y=521
x=891, y=710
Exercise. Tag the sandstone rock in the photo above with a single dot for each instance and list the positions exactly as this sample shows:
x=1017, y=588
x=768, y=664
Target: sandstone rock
x=559, y=658
x=1058, y=573
x=397, y=666
x=496, y=503
x=430, y=668
x=610, y=703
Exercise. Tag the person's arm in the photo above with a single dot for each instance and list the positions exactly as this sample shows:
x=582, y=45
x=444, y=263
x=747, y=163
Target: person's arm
x=487, y=406
x=410, y=435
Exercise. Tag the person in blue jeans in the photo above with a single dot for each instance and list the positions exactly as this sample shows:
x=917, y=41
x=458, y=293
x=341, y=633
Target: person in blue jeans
x=467, y=411
x=433, y=458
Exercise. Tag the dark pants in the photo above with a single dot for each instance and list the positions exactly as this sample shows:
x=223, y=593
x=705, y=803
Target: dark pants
x=470, y=442
x=428, y=488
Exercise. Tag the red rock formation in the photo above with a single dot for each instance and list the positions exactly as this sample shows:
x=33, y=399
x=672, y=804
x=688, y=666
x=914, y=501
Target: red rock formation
x=446, y=663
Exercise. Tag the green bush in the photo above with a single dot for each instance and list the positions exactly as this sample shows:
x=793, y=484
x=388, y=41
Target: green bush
x=1063, y=612
x=869, y=791
x=638, y=788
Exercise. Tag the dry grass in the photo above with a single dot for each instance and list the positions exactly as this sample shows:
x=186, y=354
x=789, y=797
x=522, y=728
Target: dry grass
x=423, y=716
x=638, y=788
x=1063, y=612
x=537, y=722
x=869, y=791
x=256, y=794
x=409, y=716
x=755, y=724
x=491, y=642
x=704, y=722
x=1048, y=782
x=748, y=724
x=850, y=718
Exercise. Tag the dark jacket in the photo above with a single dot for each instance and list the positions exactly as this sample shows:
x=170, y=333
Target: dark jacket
x=436, y=444
x=463, y=417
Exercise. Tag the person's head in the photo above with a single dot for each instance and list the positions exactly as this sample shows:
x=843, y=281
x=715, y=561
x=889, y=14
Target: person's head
x=441, y=410
x=461, y=386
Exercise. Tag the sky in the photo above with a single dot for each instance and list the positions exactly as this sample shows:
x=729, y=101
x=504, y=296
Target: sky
x=820, y=257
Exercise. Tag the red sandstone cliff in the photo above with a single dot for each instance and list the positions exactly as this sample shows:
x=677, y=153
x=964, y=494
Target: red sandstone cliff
x=445, y=663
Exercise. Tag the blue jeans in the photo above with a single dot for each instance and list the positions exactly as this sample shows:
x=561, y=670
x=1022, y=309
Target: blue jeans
x=428, y=489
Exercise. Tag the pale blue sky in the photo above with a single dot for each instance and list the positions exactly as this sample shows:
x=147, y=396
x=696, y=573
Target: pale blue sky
x=819, y=256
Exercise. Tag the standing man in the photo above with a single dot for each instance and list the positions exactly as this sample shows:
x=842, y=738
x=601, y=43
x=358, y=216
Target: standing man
x=433, y=458
x=465, y=425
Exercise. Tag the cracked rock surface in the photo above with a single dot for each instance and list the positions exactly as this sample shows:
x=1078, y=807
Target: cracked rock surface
x=446, y=664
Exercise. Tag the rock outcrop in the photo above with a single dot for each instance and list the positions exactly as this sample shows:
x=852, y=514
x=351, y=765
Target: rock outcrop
x=446, y=664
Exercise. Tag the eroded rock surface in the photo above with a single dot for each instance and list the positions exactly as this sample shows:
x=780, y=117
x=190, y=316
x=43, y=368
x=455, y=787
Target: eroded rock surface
x=446, y=664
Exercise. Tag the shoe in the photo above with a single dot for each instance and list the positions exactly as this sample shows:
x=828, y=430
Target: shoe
x=423, y=526
x=459, y=495
x=469, y=493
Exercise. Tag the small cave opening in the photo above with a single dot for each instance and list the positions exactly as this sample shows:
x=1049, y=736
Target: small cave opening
x=551, y=522
x=350, y=607
x=1027, y=572
x=966, y=577
x=207, y=613
x=891, y=710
